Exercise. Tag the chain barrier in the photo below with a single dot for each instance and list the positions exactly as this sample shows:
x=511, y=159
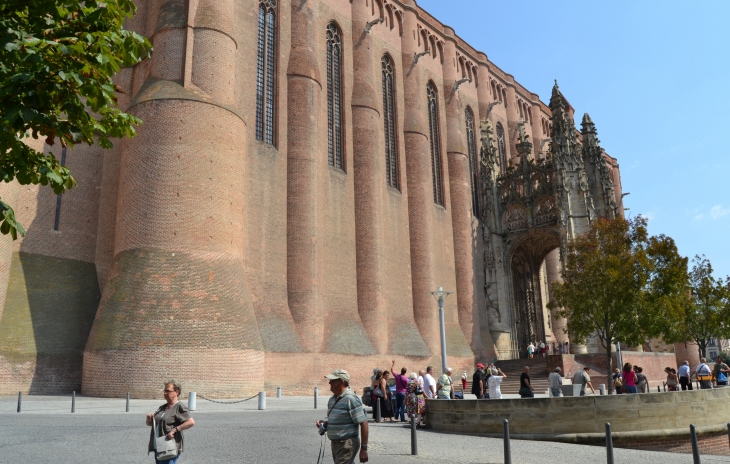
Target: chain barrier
x=227, y=402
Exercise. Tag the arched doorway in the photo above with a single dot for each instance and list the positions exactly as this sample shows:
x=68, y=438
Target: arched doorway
x=531, y=322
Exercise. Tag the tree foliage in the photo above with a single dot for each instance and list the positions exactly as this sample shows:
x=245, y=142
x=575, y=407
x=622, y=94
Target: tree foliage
x=617, y=281
x=705, y=312
x=57, y=61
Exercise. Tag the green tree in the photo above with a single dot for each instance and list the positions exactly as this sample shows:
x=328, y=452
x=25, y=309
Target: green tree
x=57, y=61
x=616, y=281
x=705, y=312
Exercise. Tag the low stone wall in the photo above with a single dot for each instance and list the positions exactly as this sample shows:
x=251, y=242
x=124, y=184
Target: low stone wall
x=651, y=419
x=652, y=363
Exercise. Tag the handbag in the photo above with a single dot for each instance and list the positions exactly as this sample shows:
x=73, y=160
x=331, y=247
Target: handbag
x=524, y=391
x=165, y=449
x=378, y=392
x=721, y=377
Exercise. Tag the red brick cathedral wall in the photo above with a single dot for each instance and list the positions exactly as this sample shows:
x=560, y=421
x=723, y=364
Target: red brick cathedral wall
x=236, y=264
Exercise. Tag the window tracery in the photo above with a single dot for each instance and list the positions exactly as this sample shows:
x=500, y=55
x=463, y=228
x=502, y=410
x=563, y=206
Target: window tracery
x=391, y=151
x=433, y=124
x=473, y=168
x=334, y=97
x=265, y=72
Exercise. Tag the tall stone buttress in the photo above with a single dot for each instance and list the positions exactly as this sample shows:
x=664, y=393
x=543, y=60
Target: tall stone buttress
x=177, y=278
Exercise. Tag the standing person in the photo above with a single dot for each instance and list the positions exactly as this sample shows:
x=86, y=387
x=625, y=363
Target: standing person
x=344, y=417
x=630, y=379
x=530, y=350
x=429, y=383
x=583, y=378
x=642, y=384
x=463, y=383
x=377, y=393
x=672, y=381
x=684, y=376
x=415, y=400
x=720, y=372
x=401, y=383
x=543, y=349
x=421, y=374
x=566, y=348
x=526, y=390
x=444, y=390
x=555, y=380
x=170, y=419
x=618, y=381
x=478, y=383
x=494, y=381
x=554, y=352
x=386, y=410
x=704, y=374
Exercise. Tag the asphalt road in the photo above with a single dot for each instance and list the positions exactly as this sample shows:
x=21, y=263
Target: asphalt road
x=102, y=432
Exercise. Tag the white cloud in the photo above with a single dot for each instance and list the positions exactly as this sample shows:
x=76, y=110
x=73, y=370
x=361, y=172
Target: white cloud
x=717, y=211
x=699, y=217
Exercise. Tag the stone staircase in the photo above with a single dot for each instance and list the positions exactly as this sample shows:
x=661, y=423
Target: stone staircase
x=513, y=369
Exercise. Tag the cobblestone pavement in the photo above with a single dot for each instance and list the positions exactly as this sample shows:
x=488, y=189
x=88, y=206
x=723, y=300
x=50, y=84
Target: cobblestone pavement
x=100, y=431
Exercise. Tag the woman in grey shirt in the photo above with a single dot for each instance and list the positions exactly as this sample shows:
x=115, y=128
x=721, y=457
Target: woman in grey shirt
x=172, y=418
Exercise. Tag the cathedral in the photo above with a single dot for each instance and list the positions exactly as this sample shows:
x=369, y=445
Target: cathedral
x=307, y=173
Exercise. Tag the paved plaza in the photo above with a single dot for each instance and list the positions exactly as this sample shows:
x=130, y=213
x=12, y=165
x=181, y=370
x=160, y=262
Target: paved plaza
x=101, y=431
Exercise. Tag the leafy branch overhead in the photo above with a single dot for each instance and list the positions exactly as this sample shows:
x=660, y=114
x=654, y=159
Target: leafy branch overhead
x=57, y=61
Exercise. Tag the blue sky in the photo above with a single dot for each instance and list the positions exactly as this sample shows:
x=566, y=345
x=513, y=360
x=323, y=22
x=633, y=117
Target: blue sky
x=655, y=78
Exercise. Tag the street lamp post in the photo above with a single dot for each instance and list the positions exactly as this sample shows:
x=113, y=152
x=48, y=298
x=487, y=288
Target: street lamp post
x=440, y=294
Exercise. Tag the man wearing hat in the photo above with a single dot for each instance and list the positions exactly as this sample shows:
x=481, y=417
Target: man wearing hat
x=478, y=383
x=345, y=413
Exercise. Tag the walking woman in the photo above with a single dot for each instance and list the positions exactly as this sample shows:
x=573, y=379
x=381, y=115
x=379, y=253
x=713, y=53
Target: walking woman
x=630, y=379
x=170, y=419
x=672, y=381
x=415, y=400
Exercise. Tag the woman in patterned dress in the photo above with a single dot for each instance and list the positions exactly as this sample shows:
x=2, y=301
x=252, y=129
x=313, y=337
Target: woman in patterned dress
x=415, y=399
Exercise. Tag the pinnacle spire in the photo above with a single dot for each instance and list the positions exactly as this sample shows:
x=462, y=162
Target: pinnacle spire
x=587, y=125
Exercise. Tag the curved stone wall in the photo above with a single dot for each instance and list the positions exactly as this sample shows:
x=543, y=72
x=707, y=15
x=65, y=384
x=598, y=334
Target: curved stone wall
x=582, y=419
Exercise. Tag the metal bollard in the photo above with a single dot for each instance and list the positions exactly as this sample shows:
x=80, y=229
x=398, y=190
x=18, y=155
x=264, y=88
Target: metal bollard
x=278, y=392
x=262, y=401
x=73, y=402
x=658, y=390
x=507, y=451
x=192, y=401
x=728, y=431
x=602, y=389
x=377, y=409
x=414, y=439
x=316, y=393
x=609, y=444
x=127, y=409
x=695, y=446
x=665, y=387
x=20, y=400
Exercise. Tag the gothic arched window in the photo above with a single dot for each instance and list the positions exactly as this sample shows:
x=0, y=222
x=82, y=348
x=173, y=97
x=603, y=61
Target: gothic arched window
x=501, y=149
x=265, y=72
x=473, y=168
x=391, y=151
x=433, y=125
x=334, y=96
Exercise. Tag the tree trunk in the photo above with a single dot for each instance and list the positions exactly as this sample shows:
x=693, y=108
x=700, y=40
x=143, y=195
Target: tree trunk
x=609, y=362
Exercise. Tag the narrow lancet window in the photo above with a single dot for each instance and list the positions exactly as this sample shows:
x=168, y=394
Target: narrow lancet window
x=433, y=124
x=391, y=151
x=265, y=72
x=501, y=149
x=334, y=96
x=471, y=146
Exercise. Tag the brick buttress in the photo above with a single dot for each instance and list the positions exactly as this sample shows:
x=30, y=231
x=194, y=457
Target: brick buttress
x=176, y=302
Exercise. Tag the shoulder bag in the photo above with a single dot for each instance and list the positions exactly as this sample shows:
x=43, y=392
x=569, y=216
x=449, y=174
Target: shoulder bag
x=165, y=449
x=378, y=392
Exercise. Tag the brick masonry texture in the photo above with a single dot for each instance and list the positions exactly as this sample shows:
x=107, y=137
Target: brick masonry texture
x=202, y=253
